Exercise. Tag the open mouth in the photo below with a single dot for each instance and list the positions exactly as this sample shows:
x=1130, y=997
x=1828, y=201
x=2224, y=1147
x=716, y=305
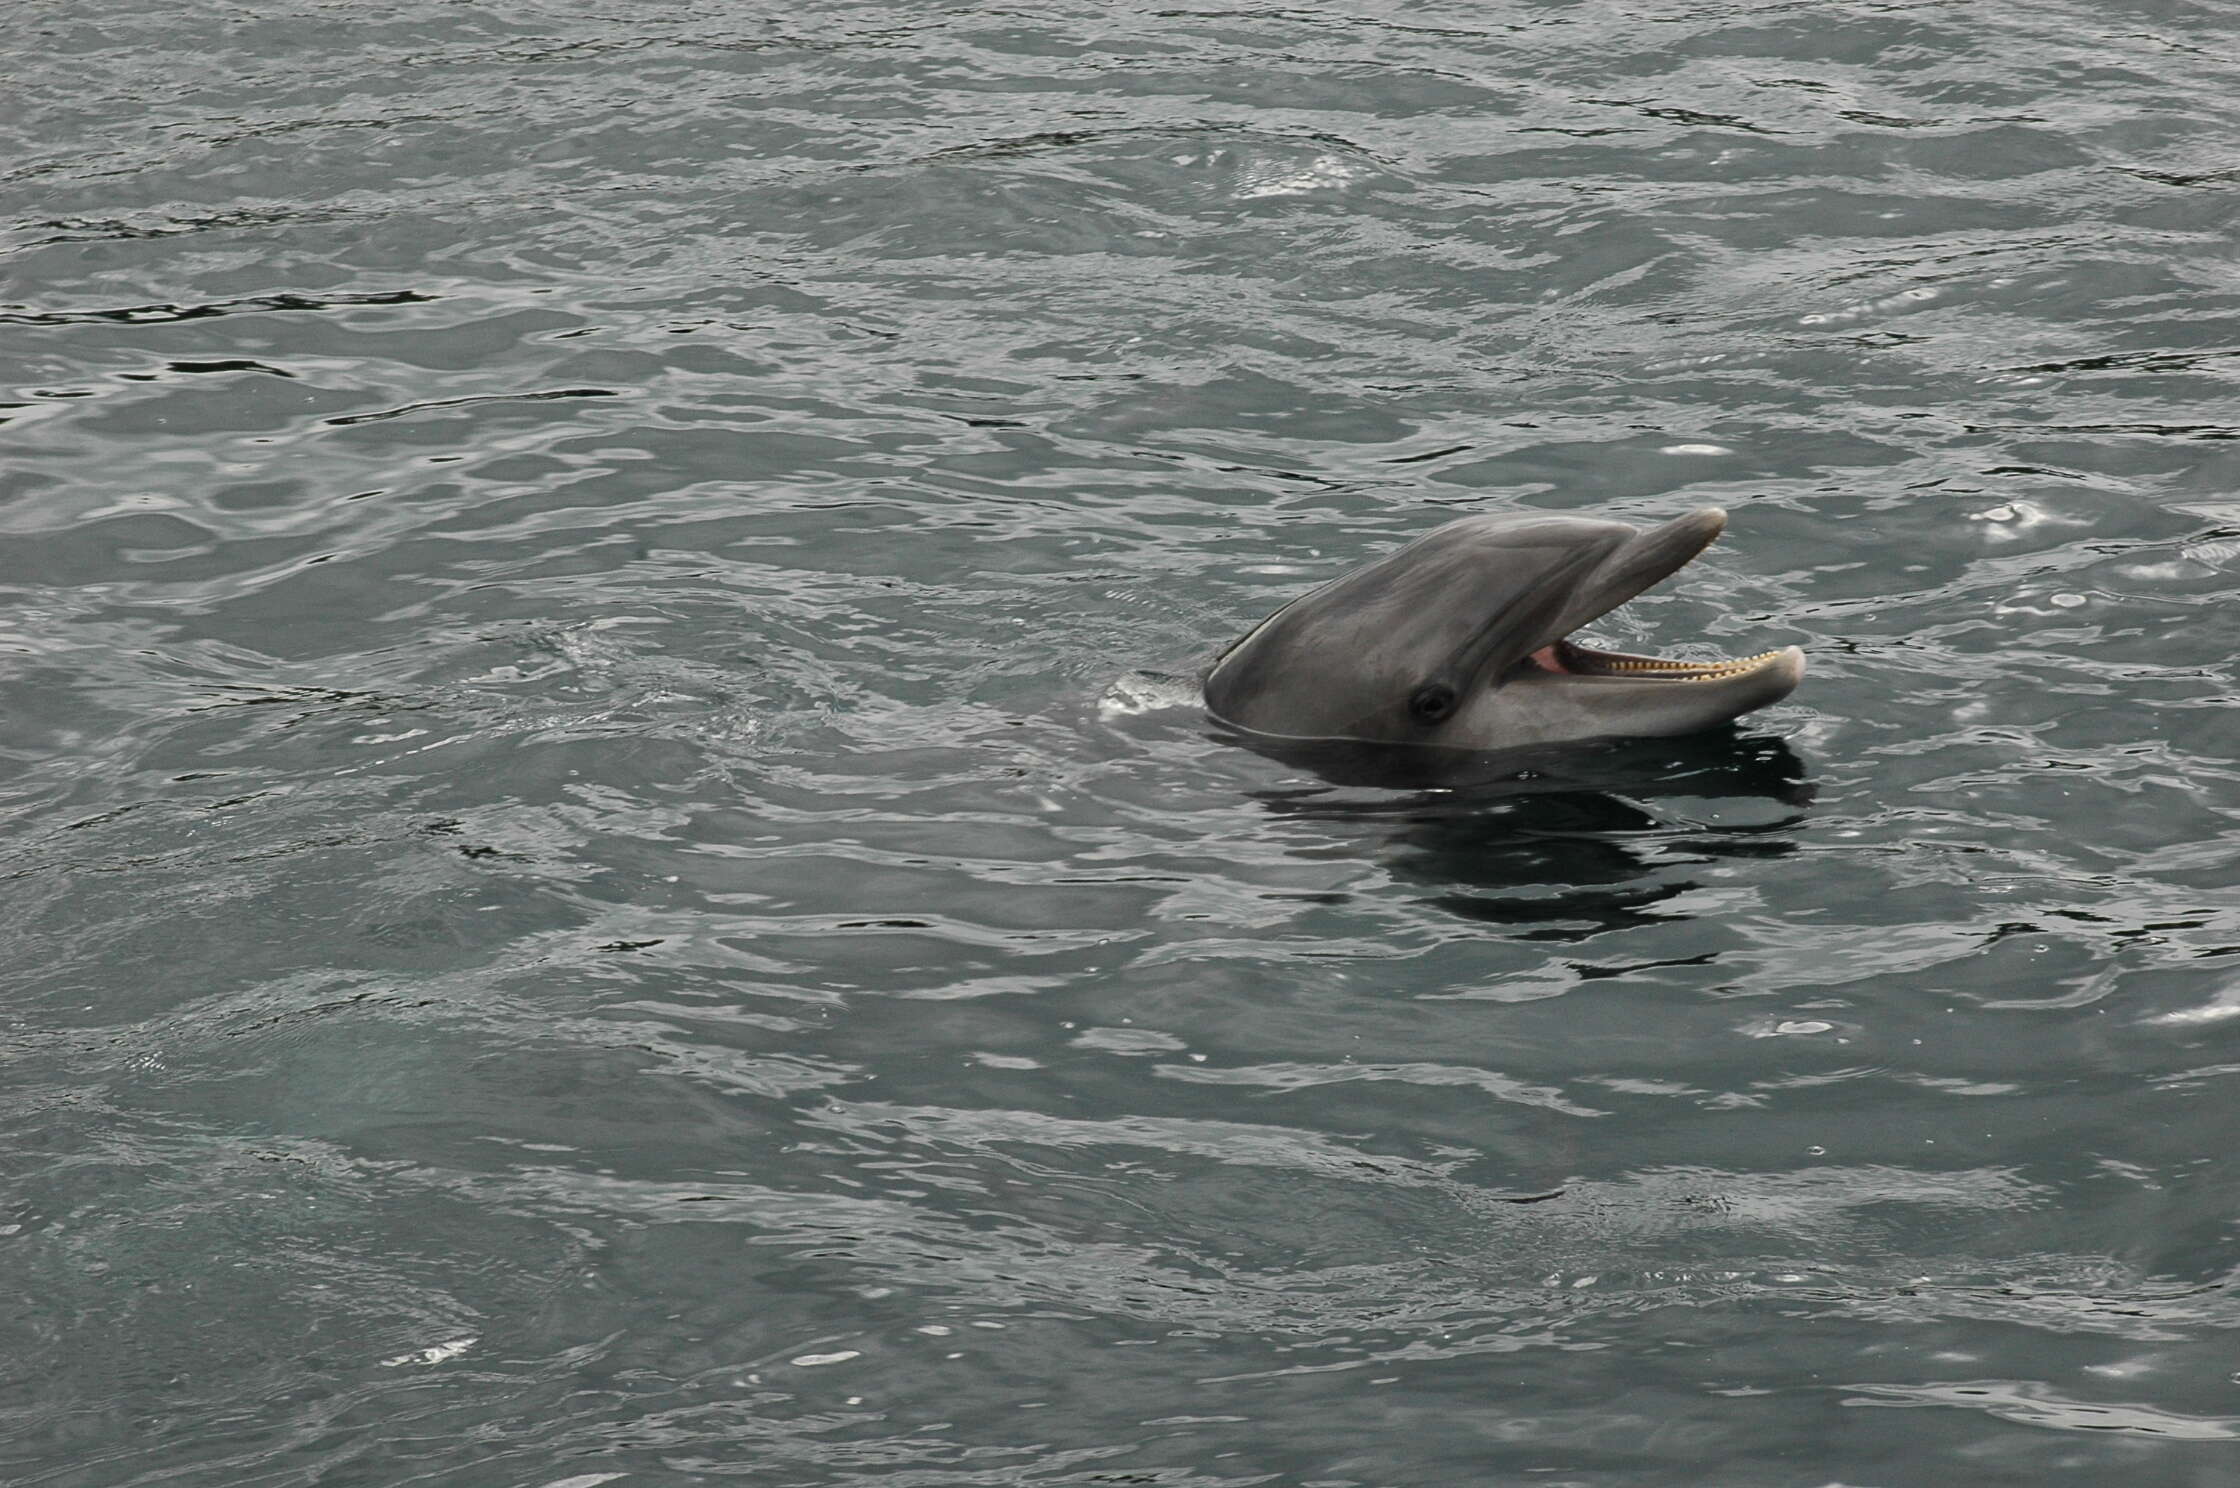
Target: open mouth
x=1640, y=562
x=1570, y=659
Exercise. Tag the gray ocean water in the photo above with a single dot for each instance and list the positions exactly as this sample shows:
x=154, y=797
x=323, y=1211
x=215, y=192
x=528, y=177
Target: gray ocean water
x=578, y=904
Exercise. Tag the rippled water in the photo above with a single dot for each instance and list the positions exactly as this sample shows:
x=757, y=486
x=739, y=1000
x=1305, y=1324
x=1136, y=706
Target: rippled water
x=581, y=907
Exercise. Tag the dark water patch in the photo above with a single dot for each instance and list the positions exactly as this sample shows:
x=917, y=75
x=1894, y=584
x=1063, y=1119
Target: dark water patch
x=165, y=314
x=412, y=408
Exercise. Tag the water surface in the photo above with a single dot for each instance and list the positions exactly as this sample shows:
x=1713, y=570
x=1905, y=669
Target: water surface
x=577, y=911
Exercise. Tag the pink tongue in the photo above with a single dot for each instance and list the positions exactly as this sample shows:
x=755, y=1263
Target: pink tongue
x=1546, y=659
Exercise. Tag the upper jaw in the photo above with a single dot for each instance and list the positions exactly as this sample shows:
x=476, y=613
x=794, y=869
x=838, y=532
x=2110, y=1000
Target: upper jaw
x=1627, y=568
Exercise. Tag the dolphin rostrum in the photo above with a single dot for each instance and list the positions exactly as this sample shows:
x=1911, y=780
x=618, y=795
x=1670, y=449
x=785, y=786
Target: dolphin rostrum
x=1461, y=640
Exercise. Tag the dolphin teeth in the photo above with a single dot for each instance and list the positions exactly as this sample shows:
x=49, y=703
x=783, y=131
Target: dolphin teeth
x=1696, y=671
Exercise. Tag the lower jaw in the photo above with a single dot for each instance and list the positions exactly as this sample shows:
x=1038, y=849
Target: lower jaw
x=1568, y=658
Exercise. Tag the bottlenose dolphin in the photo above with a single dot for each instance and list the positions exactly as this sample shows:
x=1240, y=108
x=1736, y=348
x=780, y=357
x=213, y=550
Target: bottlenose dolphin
x=1461, y=641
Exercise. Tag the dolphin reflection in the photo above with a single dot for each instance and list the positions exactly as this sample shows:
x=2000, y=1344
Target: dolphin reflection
x=1571, y=844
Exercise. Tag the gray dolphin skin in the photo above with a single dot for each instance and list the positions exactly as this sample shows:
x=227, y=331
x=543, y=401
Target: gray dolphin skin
x=1461, y=640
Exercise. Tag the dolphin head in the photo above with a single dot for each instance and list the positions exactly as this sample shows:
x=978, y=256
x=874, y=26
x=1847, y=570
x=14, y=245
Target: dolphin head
x=1460, y=640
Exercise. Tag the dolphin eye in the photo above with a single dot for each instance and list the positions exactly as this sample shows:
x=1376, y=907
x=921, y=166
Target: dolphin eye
x=1433, y=703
